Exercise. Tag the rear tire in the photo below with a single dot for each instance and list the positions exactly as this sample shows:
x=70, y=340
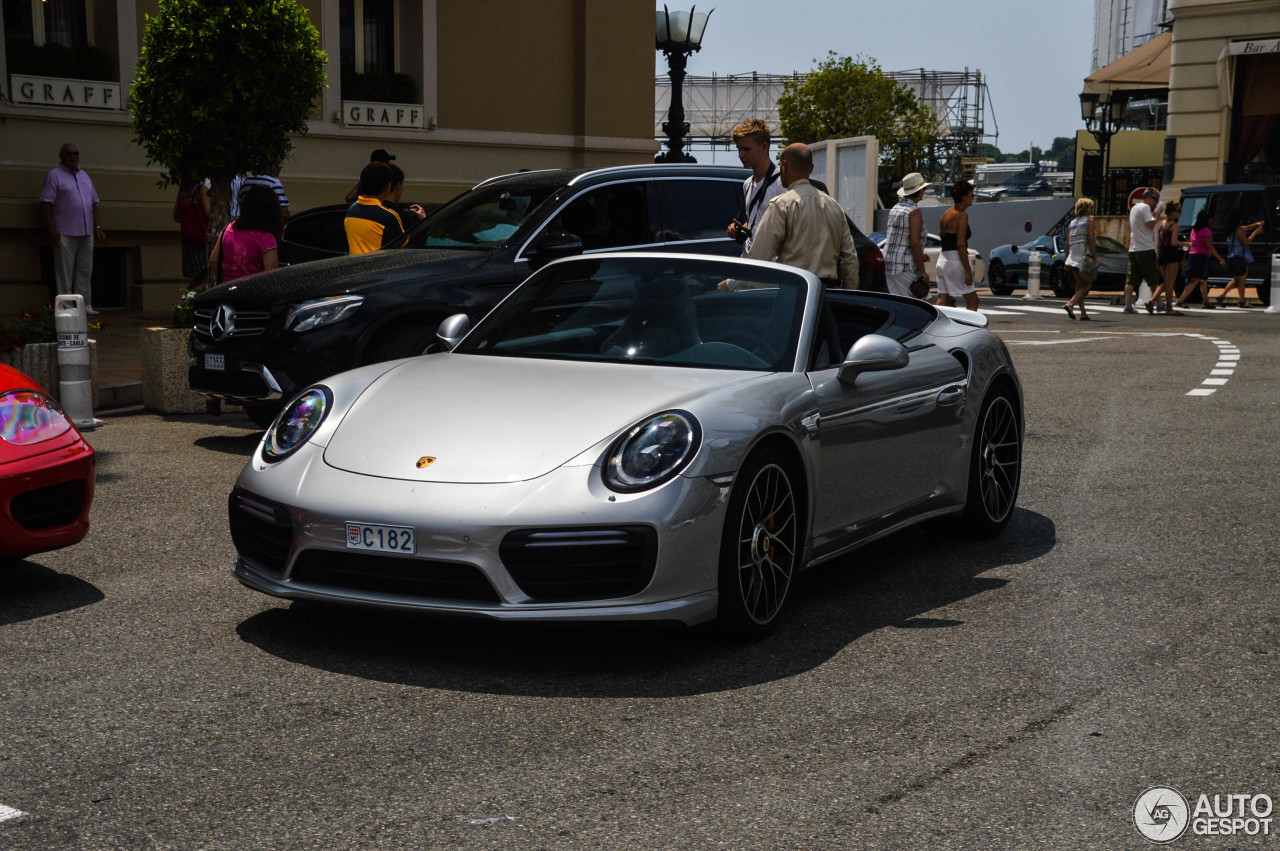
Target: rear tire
x=996, y=279
x=1061, y=281
x=995, y=466
x=759, y=548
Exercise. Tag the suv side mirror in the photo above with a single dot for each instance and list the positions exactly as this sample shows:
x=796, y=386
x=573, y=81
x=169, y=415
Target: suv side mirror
x=555, y=244
x=453, y=329
x=872, y=353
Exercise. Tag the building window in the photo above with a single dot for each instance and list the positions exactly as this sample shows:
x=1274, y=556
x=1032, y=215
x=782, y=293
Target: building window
x=47, y=22
x=58, y=38
x=367, y=31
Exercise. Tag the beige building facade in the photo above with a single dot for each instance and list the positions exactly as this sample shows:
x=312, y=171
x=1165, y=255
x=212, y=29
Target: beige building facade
x=499, y=86
x=1224, y=92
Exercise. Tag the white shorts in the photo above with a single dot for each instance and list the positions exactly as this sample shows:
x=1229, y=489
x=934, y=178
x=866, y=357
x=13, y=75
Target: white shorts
x=951, y=275
x=900, y=282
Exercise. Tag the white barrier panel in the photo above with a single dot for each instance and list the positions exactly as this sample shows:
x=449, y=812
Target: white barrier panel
x=75, y=379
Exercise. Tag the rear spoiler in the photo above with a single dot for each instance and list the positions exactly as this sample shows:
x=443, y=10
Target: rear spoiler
x=965, y=317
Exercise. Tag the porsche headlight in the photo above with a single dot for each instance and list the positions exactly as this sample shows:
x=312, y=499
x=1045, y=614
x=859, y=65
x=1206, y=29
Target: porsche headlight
x=652, y=452
x=321, y=311
x=297, y=423
x=28, y=417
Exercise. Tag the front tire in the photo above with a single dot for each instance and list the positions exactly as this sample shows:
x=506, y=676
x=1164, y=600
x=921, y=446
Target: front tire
x=995, y=466
x=760, y=547
x=996, y=279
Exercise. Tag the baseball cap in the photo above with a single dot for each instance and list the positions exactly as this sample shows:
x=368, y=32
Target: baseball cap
x=381, y=156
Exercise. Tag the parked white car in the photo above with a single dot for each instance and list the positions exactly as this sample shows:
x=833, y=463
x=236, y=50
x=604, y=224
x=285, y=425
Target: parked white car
x=933, y=249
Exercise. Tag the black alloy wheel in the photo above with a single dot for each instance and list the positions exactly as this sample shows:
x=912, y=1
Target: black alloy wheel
x=996, y=279
x=1061, y=281
x=759, y=549
x=995, y=467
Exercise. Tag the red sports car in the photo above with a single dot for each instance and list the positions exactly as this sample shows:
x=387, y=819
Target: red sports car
x=46, y=471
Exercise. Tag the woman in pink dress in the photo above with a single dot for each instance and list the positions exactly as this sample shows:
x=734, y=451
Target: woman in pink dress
x=248, y=244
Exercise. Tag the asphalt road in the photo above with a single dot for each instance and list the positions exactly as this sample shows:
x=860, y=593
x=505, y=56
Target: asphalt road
x=928, y=692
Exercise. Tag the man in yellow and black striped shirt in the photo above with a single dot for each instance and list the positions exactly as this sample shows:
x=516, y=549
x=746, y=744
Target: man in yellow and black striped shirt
x=370, y=224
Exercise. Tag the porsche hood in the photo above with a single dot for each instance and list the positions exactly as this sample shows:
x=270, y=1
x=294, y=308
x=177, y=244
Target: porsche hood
x=482, y=419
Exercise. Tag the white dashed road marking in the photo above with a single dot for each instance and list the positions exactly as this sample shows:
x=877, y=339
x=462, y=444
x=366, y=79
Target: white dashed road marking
x=9, y=813
x=1228, y=352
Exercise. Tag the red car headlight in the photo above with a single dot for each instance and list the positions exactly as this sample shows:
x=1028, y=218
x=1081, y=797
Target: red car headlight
x=28, y=417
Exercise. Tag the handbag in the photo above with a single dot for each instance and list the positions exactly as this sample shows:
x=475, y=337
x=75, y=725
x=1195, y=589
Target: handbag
x=919, y=288
x=1089, y=268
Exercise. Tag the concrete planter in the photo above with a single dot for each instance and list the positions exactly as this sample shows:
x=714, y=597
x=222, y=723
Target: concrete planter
x=163, y=352
x=40, y=362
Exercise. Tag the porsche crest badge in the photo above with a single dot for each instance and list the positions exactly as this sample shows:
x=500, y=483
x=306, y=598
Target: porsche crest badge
x=425, y=461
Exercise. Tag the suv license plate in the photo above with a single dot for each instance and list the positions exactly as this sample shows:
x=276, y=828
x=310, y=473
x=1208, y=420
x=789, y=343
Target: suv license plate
x=382, y=539
x=215, y=362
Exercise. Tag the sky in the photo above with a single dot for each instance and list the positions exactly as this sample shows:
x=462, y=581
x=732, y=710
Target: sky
x=1033, y=55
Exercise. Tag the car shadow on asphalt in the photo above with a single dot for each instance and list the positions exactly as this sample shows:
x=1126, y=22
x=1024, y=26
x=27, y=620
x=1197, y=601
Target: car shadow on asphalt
x=238, y=444
x=892, y=583
x=29, y=591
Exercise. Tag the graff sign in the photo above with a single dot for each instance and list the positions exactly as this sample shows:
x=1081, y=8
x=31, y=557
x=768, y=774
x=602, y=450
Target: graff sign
x=381, y=114
x=58, y=91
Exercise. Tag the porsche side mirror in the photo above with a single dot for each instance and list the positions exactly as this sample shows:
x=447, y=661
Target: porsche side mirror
x=453, y=329
x=872, y=353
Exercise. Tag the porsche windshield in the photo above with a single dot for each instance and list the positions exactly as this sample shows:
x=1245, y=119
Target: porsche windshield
x=481, y=219
x=665, y=311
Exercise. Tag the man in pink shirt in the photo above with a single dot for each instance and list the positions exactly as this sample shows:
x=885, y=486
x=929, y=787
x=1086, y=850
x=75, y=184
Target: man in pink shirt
x=69, y=204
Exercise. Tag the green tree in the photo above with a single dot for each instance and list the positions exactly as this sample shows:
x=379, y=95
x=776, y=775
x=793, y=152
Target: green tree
x=848, y=96
x=220, y=86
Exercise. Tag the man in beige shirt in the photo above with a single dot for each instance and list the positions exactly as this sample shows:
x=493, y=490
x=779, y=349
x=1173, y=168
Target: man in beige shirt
x=806, y=228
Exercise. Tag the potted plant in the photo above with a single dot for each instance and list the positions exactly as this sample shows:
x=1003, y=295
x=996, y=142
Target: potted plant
x=30, y=345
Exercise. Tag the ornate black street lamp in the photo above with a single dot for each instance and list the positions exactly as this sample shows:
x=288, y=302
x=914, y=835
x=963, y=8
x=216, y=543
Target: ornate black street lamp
x=679, y=34
x=1103, y=119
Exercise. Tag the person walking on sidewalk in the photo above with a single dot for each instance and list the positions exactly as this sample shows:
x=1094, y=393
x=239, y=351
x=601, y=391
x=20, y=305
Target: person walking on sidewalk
x=1142, y=248
x=1169, y=259
x=1239, y=255
x=1081, y=242
x=955, y=275
x=904, y=259
x=1198, y=252
x=191, y=210
x=69, y=206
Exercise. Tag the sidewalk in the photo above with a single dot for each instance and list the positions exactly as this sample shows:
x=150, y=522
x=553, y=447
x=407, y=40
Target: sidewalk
x=119, y=364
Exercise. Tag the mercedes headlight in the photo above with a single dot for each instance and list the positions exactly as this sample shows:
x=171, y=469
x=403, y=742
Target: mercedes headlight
x=28, y=417
x=296, y=423
x=321, y=311
x=652, y=452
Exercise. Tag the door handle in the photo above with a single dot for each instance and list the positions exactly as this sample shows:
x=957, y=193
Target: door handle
x=951, y=396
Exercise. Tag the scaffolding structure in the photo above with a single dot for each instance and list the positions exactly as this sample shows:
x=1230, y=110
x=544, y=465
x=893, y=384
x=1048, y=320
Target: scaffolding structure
x=715, y=105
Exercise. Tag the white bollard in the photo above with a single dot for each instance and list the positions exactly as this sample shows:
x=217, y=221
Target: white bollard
x=1033, y=276
x=1274, y=307
x=75, y=381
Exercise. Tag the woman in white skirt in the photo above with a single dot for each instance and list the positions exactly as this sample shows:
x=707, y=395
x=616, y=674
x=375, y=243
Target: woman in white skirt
x=955, y=276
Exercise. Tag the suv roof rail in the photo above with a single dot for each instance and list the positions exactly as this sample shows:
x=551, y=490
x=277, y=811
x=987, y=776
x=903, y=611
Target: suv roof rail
x=512, y=174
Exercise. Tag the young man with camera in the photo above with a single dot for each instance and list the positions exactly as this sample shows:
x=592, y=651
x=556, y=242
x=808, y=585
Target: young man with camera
x=752, y=139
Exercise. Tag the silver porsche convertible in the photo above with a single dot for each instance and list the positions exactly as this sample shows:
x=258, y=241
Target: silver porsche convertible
x=634, y=437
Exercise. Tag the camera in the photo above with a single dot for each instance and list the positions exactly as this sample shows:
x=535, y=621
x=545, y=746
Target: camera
x=743, y=234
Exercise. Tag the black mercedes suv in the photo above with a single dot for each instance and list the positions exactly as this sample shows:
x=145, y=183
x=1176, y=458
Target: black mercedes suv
x=258, y=340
